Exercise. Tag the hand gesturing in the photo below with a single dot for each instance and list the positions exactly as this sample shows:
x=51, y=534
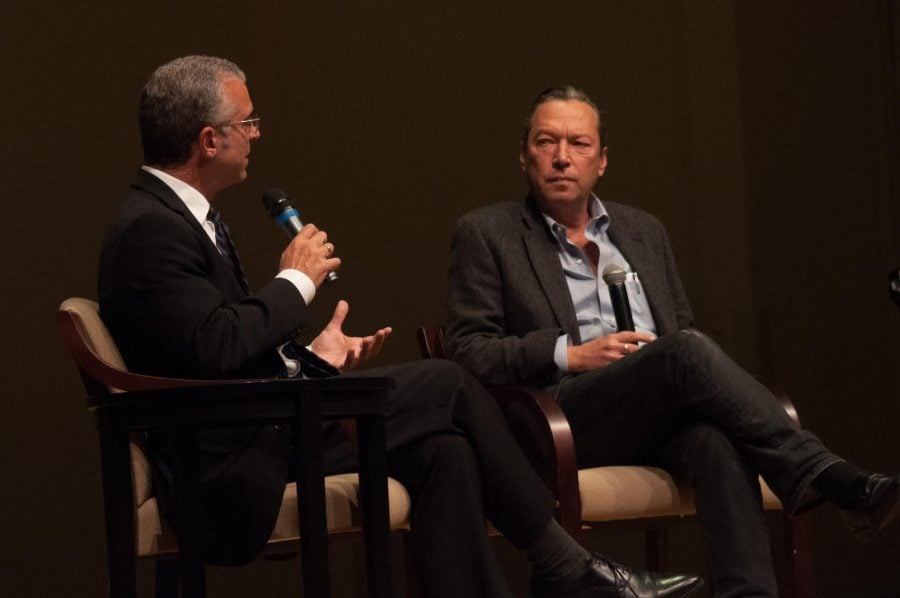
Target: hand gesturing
x=346, y=352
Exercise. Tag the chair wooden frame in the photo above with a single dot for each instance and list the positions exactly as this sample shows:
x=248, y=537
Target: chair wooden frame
x=548, y=443
x=124, y=403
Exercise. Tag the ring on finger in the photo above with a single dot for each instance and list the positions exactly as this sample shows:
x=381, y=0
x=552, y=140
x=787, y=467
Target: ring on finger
x=625, y=349
x=330, y=248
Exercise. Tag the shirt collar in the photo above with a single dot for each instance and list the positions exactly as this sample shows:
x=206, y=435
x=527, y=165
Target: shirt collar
x=597, y=225
x=196, y=204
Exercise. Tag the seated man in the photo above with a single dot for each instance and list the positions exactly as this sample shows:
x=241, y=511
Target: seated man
x=528, y=307
x=175, y=298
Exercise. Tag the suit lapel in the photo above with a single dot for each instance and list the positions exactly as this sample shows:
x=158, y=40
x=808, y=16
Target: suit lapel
x=155, y=187
x=168, y=198
x=542, y=253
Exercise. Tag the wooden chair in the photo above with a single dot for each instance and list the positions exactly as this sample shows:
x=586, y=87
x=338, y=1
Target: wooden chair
x=126, y=405
x=647, y=498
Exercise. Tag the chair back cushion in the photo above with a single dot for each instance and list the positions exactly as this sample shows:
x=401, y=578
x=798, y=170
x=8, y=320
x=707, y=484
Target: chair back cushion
x=95, y=337
x=93, y=331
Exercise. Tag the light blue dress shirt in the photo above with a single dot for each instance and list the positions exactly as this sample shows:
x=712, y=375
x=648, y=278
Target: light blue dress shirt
x=590, y=295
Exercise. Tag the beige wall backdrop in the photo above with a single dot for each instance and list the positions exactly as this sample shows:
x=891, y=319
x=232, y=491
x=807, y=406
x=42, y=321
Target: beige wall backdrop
x=764, y=134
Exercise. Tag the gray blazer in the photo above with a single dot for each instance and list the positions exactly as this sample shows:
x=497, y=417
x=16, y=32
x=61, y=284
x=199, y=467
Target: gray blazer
x=508, y=297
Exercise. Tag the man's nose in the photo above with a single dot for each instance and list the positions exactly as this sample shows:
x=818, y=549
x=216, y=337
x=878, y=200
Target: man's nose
x=561, y=156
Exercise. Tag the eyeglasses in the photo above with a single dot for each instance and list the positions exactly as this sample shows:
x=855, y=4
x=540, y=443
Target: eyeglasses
x=250, y=125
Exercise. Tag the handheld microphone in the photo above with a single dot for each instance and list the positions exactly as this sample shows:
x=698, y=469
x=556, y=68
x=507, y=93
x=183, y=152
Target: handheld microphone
x=278, y=205
x=614, y=276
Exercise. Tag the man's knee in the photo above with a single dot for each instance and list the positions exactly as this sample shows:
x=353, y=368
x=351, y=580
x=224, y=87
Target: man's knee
x=437, y=373
x=450, y=380
x=448, y=370
x=690, y=346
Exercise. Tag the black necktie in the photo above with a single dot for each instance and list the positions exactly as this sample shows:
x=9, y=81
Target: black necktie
x=226, y=247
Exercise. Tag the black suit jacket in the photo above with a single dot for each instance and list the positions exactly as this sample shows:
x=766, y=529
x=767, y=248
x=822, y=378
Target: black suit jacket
x=175, y=308
x=508, y=297
x=174, y=304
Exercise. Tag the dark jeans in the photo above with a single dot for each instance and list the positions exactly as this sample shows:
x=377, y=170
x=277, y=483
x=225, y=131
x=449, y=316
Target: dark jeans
x=681, y=403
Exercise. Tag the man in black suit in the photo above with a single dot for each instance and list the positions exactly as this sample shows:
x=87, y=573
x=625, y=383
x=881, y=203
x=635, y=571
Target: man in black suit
x=174, y=296
x=527, y=307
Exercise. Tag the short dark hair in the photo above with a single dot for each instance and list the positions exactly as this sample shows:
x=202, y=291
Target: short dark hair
x=179, y=99
x=565, y=93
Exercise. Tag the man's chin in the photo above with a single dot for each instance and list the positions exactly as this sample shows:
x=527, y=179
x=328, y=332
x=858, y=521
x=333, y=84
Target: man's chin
x=561, y=197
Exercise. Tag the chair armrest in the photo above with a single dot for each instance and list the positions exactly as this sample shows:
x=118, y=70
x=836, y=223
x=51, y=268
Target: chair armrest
x=784, y=399
x=542, y=430
x=237, y=402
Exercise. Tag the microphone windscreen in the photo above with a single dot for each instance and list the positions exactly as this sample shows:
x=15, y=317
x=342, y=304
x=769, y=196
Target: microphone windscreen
x=614, y=274
x=275, y=199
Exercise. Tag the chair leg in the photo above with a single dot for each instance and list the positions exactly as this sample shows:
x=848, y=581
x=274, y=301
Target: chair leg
x=413, y=590
x=187, y=509
x=167, y=578
x=655, y=545
x=799, y=545
x=118, y=500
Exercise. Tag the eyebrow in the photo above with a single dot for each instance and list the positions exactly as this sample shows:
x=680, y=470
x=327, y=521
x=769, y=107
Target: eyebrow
x=556, y=133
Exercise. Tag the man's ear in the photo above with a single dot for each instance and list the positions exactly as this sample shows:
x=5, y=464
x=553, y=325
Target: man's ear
x=603, y=155
x=208, y=142
x=522, y=150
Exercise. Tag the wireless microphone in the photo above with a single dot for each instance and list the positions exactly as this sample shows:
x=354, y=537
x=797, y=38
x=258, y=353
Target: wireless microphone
x=278, y=205
x=614, y=276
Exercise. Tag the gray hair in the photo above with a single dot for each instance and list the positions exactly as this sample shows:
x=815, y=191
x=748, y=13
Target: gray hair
x=565, y=93
x=180, y=98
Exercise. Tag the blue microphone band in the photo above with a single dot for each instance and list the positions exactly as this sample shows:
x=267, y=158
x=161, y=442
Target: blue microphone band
x=287, y=215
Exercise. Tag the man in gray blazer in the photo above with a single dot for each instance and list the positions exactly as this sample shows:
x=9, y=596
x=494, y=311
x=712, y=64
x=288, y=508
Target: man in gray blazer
x=527, y=306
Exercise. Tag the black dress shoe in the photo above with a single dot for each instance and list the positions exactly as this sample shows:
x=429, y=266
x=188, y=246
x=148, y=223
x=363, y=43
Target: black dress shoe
x=606, y=579
x=880, y=505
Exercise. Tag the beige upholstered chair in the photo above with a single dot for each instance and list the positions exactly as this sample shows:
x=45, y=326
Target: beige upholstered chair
x=646, y=498
x=121, y=399
x=155, y=539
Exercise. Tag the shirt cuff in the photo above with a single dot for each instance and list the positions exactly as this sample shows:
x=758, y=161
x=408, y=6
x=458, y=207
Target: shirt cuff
x=291, y=366
x=561, y=353
x=300, y=280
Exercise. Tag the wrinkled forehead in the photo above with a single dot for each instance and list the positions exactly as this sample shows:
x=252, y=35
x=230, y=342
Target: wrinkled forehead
x=570, y=116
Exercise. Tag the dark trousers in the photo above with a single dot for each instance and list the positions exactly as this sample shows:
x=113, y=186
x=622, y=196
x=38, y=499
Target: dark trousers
x=681, y=403
x=448, y=444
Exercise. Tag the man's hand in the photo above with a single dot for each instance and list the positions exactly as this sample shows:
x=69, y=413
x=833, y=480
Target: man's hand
x=346, y=352
x=310, y=253
x=605, y=350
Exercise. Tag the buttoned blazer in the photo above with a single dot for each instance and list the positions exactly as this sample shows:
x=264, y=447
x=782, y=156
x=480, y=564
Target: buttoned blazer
x=508, y=299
